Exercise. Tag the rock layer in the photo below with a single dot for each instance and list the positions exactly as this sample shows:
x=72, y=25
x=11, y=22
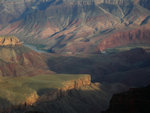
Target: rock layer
x=9, y=41
x=121, y=38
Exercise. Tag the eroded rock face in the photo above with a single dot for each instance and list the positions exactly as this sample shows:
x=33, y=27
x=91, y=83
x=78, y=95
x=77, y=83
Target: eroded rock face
x=31, y=99
x=76, y=84
x=67, y=86
x=9, y=41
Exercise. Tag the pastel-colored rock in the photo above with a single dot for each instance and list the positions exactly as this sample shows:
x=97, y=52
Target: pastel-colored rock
x=9, y=41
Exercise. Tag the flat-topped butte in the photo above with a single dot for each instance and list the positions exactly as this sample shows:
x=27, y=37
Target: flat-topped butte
x=24, y=89
x=9, y=41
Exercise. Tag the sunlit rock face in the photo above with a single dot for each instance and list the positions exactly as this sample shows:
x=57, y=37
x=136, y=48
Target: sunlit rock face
x=9, y=41
x=71, y=26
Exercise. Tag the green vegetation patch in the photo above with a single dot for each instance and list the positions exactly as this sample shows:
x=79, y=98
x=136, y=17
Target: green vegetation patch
x=14, y=90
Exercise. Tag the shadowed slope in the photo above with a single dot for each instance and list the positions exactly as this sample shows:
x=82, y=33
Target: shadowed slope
x=129, y=67
x=135, y=100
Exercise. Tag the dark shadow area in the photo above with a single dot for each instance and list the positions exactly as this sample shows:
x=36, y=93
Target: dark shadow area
x=45, y=91
x=43, y=5
x=130, y=67
x=4, y=102
x=34, y=112
x=135, y=100
x=5, y=106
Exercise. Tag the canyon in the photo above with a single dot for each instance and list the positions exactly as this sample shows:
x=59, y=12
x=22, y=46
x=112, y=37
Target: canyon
x=85, y=27
x=74, y=56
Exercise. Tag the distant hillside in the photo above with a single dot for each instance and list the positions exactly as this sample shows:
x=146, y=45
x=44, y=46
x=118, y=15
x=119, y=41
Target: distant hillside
x=77, y=26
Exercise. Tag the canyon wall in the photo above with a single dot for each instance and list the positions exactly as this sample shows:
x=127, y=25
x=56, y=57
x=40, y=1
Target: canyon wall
x=123, y=38
x=133, y=101
x=34, y=99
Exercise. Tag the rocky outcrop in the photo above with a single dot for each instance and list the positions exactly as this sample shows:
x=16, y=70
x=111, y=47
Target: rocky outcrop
x=67, y=86
x=135, y=100
x=18, y=60
x=76, y=84
x=31, y=99
x=9, y=41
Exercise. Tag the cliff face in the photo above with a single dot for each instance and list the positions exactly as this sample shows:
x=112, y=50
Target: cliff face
x=76, y=84
x=134, y=101
x=91, y=98
x=67, y=86
x=80, y=89
x=126, y=37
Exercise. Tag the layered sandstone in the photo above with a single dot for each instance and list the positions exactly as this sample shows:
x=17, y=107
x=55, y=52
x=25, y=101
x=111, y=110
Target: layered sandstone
x=121, y=38
x=76, y=84
x=9, y=41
